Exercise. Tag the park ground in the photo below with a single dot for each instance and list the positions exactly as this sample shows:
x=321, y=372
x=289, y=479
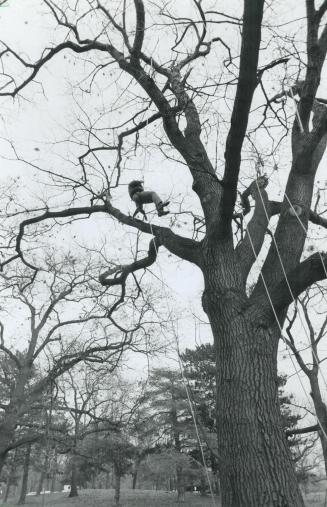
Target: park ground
x=315, y=496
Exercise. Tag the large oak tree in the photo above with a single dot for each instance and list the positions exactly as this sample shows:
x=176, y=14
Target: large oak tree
x=169, y=88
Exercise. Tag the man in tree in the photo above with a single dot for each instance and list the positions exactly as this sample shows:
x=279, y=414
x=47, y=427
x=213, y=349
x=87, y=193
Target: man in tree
x=255, y=464
x=140, y=197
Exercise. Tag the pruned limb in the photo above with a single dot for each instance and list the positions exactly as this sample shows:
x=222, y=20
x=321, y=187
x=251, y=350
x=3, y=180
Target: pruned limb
x=118, y=274
x=314, y=217
x=247, y=83
x=300, y=431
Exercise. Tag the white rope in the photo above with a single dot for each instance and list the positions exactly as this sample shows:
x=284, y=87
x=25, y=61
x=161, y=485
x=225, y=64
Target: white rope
x=281, y=330
x=287, y=281
x=297, y=111
x=180, y=364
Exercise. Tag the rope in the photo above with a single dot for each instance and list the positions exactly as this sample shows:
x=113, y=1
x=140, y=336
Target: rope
x=287, y=281
x=180, y=364
x=297, y=111
x=280, y=327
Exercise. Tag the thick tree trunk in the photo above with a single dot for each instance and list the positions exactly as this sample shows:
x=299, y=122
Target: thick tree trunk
x=256, y=468
x=73, y=479
x=117, y=486
x=26, y=466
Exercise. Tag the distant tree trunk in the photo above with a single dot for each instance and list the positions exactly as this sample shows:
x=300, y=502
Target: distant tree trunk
x=54, y=472
x=26, y=465
x=180, y=484
x=214, y=468
x=203, y=486
x=42, y=476
x=117, y=485
x=3, y=457
x=134, y=479
x=107, y=482
x=73, y=480
x=40, y=483
x=135, y=471
x=10, y=475
x=7, y=488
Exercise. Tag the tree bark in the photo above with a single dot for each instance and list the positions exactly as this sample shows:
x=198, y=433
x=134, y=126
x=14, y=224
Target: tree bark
x=10, y=476
x=256, y=467
x=54, y=472
x=7, y=488
x=73, y=479
x=40, y=483
x=2, y=461
x=117, y=485
x=134, y=478
x=107, y=483
x=180, y=484
x=42, y=476
x=23, y=490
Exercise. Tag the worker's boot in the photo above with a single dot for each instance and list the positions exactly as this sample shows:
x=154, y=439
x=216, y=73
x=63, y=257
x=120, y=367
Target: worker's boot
x=160, y=209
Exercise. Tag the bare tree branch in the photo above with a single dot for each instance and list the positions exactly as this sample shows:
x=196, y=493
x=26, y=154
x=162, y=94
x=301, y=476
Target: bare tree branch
x=247, y=83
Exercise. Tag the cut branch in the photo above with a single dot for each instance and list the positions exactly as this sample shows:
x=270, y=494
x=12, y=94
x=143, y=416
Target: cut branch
x=300, y=431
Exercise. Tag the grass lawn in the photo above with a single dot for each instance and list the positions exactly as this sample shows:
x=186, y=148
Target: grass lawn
x=105, y=498
x=141, y=498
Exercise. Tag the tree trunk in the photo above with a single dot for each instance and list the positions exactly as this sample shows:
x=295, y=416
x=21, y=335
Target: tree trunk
x=73, y=479
x=256, y=467
x=3, y=458
x=180, y=484
x=40, y=483
x=134, y=479
x=117, y=485
x=135, y=471
x=42, y=476
x=107, y=483
x=23, y=490
x=54, y=472
x=10, y=476
x=7, y=489
x=203, y=486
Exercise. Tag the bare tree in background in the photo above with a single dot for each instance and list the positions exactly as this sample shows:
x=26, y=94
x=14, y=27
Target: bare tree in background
x=167, y=87
x=59, y=328
x=307, y=306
